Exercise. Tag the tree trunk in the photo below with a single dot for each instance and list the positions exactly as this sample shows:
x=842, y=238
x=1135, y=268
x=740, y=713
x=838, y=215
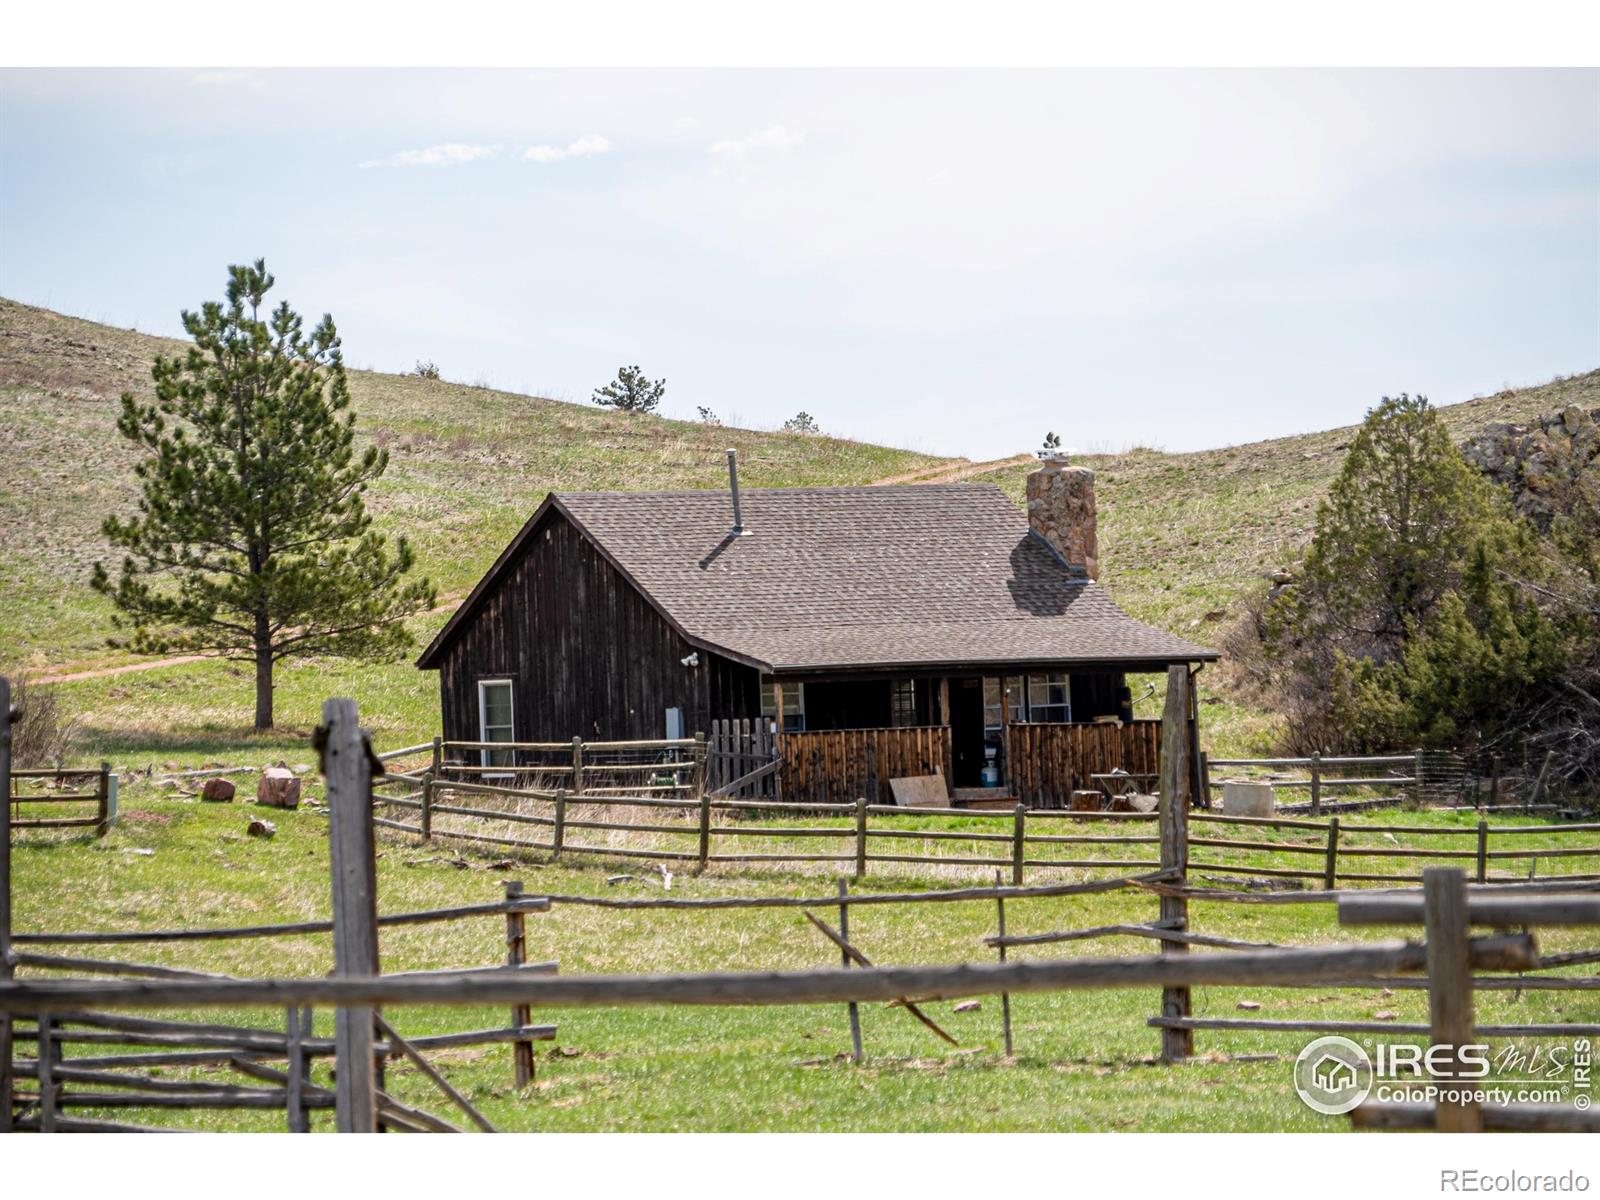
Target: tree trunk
x=263, y=680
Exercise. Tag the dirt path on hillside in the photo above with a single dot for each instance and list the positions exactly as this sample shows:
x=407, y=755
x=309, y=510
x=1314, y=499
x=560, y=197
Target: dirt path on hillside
x=954, y=471
x=70, y=676
x=951, y=471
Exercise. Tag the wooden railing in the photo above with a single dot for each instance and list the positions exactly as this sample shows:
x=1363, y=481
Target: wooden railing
x=92, y=791
x=1045, y=764
x=832, y=765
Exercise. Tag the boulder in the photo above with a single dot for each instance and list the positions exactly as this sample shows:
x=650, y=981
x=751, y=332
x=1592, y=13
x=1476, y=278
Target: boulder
x=217, y=791
x=279, y=788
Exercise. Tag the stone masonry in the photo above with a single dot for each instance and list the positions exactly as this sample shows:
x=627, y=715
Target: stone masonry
x=1061, y=511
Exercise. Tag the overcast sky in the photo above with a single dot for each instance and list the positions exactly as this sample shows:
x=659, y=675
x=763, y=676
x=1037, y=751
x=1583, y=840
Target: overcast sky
x=951, y=261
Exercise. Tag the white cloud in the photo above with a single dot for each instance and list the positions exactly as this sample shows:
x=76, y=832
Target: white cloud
x=448, y=154
x=773, y=137
x=585, y=147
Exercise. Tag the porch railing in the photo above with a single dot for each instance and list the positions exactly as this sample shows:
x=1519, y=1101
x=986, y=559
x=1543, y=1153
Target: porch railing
x=823, y=766
x=1045, y=764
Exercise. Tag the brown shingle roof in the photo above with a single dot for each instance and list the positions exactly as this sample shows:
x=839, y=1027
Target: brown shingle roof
x=867, y=577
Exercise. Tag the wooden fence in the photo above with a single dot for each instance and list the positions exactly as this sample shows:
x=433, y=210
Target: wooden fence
x=91, y=791
x=821, y=766
x=663, y=766
x=742, y=760
x=1045, y=764
x=78, y=1008
x=713, y=830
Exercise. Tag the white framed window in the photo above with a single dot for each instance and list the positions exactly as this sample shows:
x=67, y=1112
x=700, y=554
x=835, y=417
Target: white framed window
x=1016, y=700
x=794, y=704
x=903, y=703
x=1049, y=698
x=496, y=721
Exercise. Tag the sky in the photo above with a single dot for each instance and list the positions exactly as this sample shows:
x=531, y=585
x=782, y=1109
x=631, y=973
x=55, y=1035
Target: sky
x=951, y=261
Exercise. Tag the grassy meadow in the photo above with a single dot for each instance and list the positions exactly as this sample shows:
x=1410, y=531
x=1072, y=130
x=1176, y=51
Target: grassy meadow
x=1184, y=537
x=1084, y=1060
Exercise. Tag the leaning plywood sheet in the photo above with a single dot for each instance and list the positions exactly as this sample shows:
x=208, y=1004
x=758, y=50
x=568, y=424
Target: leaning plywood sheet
x=921, y=791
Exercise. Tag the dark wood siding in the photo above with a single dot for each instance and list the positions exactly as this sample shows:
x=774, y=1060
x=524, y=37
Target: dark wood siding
x=587, y=654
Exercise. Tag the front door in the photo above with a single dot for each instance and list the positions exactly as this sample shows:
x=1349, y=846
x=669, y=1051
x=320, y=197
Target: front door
x=966, y=732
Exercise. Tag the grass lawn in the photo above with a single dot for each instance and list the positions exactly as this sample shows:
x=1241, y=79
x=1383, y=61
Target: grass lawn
x=1085, y=1060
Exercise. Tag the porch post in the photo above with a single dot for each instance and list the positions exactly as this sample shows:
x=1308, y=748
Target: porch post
x=1005, y=733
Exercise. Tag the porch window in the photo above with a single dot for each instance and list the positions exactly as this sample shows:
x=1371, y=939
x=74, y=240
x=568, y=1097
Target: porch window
x=1049, y=699
x=794, y=705
x=993, y=713
x=495, y=721
x=903, y=703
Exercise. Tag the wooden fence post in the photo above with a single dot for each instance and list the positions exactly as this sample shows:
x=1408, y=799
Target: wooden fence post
x=6, y=1021
x=516, y=955
x=1483, y=850
x=705, y=831
x=1450, y=1018
x=1330, y=866
x=46, y=1058
x=844, y=956
x=577, y=766
x=1176, y=749
x=1416, y=774
x=428, y=786
x=347, y=766
x=1538, y=784
x=102, y=796
x=1204, y=799
x=1019, y=820
x=294, y=1085
x=861, y=837
x=1316, y=784
x=1494, y=784
x=559, y=832
x=697, y=780
x=1005, y=997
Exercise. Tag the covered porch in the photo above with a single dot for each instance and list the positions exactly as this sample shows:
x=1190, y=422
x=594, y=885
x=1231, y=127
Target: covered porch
x=995, y=739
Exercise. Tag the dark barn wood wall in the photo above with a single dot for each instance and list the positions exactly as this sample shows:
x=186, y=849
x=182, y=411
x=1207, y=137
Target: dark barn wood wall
x=588, y=655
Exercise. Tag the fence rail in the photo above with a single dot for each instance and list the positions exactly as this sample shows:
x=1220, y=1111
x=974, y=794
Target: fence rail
x=1017, y=841
x=83, y=786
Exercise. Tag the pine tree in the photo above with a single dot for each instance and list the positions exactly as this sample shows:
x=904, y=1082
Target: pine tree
x=631, y=391
x=1411, y=622
x=252, y=537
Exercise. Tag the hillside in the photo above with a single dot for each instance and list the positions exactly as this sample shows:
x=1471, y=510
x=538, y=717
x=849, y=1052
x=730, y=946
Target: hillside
x=1182, y=535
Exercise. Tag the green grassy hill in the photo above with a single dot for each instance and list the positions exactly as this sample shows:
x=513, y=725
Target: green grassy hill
x=1183, y=536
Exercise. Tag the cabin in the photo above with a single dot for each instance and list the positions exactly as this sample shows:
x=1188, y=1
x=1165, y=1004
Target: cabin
x=865, y=635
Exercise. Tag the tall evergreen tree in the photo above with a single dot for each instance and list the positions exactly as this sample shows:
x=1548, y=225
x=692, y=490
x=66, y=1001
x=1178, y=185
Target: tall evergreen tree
x=252, y=537
x=1411, y=620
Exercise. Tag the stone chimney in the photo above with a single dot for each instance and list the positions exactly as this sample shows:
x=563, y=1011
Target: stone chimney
x=1061, y=511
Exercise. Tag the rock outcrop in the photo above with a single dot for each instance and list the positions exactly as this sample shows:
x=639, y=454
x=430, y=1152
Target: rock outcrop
x=1541, y=464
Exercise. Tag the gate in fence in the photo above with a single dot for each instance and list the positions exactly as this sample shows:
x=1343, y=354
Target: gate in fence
x=742, y=760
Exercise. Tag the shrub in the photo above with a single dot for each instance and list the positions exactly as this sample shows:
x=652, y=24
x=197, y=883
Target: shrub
x=45, y=735
x=426, y=370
